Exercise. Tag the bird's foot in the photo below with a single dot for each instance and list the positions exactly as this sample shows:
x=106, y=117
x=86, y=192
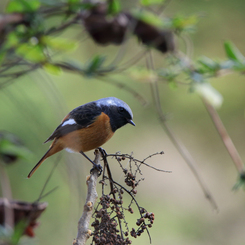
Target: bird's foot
x=96, y=167
x=102, y=152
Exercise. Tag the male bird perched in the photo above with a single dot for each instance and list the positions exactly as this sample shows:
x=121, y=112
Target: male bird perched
x=87, y=127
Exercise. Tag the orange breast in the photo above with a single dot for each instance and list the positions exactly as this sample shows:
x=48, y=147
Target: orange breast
x=89, y=138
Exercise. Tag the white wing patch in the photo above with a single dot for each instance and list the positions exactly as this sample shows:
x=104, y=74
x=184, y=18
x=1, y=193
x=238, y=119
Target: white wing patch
x=70, y=150
x=69, y=122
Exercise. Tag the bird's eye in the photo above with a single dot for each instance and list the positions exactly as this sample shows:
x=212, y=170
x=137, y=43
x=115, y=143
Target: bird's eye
x=121, y=109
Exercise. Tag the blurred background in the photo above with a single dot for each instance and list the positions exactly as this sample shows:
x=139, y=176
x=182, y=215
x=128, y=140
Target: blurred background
x=35, y=104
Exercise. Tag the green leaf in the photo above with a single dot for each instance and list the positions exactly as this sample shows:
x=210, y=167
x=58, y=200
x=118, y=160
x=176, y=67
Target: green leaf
x=227, y=64
x=170, y=74
x=12, y=40
x=8, y=148
x=2, y=56
x=31, y=53
x=52, y=69
x=59, y=43
x=94, y=65
x=73, y=1
x=151, y=2
x=233, y=52
x=18, y=232
x=149, y=18
x=240, y=183
x=22, y=6
x=11, y=145
x=184, y=23
x=114, y=7
x=208, y=63
x=142, y=75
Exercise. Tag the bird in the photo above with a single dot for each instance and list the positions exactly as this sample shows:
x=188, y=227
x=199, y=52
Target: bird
x=88, y=127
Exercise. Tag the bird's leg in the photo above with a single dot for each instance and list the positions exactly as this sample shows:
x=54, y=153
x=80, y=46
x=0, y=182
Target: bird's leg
x=95, y=166
x=103, y=152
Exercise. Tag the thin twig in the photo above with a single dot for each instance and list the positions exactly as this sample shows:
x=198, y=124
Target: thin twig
x=177, y=143
x=13, y=76
x=139, y=161
x=7, y=194
x=225, y=137
x=41, y=195
x=135, y=201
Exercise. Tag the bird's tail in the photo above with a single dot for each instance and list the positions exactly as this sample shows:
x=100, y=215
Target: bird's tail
x=52, y=150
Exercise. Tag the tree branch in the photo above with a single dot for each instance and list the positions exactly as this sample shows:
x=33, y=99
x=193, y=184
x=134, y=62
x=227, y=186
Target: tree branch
x=176, y=142
x=83, y=232
x=225, y=137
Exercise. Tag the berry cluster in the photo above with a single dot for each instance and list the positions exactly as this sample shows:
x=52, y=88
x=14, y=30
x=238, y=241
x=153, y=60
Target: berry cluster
x=110, y=224
x=105, y=225
x=142, y=223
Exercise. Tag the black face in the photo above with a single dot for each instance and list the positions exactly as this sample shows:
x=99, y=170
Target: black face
x=119, y=116
x=118, y=111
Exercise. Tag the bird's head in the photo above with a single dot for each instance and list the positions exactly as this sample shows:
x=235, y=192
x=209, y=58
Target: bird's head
x=118, y=111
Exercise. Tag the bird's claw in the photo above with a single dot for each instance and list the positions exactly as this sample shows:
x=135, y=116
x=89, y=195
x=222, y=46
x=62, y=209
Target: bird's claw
x=102, y=151
x=96, y=167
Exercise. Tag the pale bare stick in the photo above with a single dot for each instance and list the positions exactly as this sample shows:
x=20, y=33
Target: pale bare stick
x=84, y=232
x=225, y=136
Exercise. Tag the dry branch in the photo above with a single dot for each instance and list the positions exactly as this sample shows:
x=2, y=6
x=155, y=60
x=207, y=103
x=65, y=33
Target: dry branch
x=83, y=231
x=225, y=137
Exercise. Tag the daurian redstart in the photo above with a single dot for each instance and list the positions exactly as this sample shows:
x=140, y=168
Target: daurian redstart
x=87, y=127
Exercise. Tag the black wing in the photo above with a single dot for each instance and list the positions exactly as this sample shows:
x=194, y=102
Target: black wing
x=83, y=116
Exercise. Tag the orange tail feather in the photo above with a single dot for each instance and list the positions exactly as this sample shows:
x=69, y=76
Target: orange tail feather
x=54, y=148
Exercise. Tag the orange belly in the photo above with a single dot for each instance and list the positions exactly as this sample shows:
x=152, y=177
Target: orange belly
x=89, y=138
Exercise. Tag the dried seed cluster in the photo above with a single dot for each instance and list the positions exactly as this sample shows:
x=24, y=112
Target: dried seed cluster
x=142, y=223
x=130, y=179
x=106, y=230
x=110, y=225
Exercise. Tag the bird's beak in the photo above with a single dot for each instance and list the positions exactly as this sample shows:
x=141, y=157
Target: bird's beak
x=131, y=122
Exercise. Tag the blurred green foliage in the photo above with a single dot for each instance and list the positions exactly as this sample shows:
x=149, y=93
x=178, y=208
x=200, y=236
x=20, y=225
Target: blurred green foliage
x=11, y=148
x=33, y=105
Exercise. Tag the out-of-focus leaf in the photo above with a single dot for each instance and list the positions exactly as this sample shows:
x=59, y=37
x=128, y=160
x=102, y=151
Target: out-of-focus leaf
x=18, y=232
x=49, y=2
x=12, y=40
x=7, y=148
x=228, y=64
x=206, y=91
x=233, y=52
x=208, y=63
x=31, y=53
x=240, y=183
x=52, y=69
x=184, y=23
x=73, y=1
x=197, y=77
x=11, y=149
x=22, y=6
x=94, y=65
x=169, y=74
x=151, y=2
x=172, y=85
x=149, y=18
x=2, y=56
x=58, y=43
x=114, y=7
x=143, y=75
